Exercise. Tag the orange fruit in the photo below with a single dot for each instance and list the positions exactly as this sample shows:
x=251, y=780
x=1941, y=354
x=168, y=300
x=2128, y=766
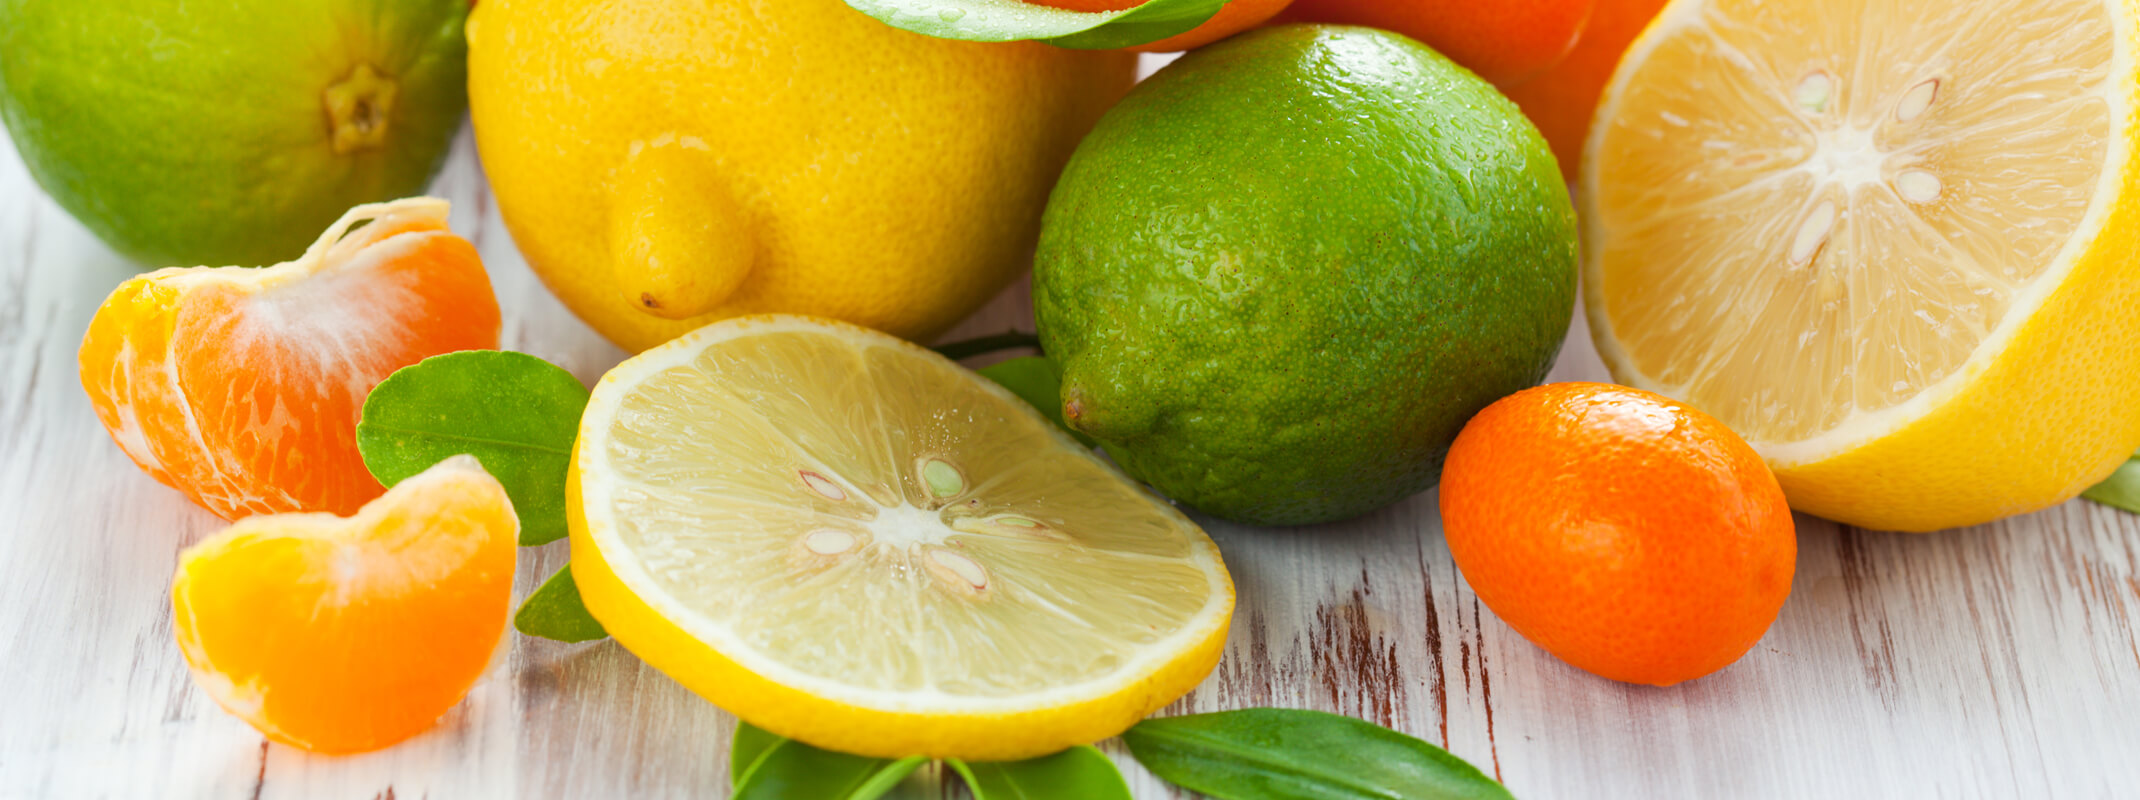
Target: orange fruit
x=1561, y=99
x=1623, y=531
x=1234, y=17
x=242, y=387
x=1506, y=41
x=345, y=634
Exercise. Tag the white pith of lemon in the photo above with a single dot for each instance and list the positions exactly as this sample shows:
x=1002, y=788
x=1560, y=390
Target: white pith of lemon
x=847, y=539
x=1879, y=239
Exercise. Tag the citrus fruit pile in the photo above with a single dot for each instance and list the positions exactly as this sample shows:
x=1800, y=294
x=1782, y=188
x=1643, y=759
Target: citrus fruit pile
x=1869, y=259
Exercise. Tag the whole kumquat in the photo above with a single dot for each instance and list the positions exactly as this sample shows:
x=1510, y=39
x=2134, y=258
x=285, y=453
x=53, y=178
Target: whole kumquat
x=1627, y=533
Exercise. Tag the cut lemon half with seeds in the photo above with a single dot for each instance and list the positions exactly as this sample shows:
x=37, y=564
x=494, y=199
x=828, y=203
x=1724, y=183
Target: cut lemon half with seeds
x=849, y=540
x=1890, y=242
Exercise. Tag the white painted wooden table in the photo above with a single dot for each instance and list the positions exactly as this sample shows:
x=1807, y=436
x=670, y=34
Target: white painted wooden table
x=1992, y=662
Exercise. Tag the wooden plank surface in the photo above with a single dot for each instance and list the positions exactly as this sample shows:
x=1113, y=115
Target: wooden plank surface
x=1993, y=662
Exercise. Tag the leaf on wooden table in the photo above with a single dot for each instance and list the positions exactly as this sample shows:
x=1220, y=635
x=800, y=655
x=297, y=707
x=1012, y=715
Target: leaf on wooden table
x=554, y=611
x=787, y=769
x=1079, y=773
x=1286, y=754
x=1015, y=20
x=2121, y=489
x=517, y=414
x=1039, y=382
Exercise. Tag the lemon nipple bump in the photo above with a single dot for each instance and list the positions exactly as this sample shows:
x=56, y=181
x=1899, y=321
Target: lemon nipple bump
x=679, y=243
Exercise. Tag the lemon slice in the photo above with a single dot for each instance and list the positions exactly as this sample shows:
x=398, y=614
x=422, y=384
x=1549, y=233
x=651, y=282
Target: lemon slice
x=849, y=540
x=1889, y=242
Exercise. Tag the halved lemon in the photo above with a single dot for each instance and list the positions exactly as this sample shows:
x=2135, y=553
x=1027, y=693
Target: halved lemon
x=846, y=539
x=1890, y=242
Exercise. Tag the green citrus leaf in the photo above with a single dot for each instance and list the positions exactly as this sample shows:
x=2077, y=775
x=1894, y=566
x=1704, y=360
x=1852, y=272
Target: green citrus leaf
x=554, y=611
x=1079, y=773
x=1039, y=382
x=1015, y=20
x=1286, y=754
x=517, y=414
x=2121, y=489
x=786, y=769
x=748, y=747
x=987, y=344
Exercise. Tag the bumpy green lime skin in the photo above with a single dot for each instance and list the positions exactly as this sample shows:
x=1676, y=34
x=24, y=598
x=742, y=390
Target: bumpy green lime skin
x=1283, y=273
x=197, y=133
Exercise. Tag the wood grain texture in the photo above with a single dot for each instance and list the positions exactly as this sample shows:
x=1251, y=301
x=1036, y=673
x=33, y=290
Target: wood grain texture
x=1999, y=661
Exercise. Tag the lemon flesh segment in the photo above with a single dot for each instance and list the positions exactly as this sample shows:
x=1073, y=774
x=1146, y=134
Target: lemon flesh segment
x=1824, y=222
x=846, y=515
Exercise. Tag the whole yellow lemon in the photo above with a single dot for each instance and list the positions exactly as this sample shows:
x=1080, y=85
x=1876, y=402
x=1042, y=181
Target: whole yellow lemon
x=664, y=164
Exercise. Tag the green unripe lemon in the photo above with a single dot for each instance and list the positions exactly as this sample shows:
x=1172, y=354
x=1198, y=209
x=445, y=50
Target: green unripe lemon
x=1283, y=272
x=229, y=131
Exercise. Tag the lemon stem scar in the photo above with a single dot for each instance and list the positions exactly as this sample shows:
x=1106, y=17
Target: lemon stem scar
x=359, y=110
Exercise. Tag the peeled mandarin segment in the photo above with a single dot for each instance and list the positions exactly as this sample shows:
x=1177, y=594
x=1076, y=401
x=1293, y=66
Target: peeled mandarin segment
x=345, y=634
x=242, y=387
x=847, y=539
x=1800, y=226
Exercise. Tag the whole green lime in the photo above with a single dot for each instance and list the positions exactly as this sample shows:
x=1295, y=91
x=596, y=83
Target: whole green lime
x=1283, y=273
x=232, y=131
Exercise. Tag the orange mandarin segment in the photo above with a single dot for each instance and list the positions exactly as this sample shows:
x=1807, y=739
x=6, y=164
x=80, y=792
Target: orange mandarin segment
x=242, y=387
x=345, y=634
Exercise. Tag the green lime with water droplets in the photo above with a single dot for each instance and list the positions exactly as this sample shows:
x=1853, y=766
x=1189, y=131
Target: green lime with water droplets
x=1284, y=271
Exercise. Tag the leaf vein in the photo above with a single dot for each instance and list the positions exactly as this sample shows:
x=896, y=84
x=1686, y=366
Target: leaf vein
x=560, y=451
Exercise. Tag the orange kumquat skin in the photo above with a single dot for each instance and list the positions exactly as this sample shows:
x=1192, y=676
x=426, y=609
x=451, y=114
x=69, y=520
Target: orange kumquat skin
x=1625, y=532
x=1504, y=41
